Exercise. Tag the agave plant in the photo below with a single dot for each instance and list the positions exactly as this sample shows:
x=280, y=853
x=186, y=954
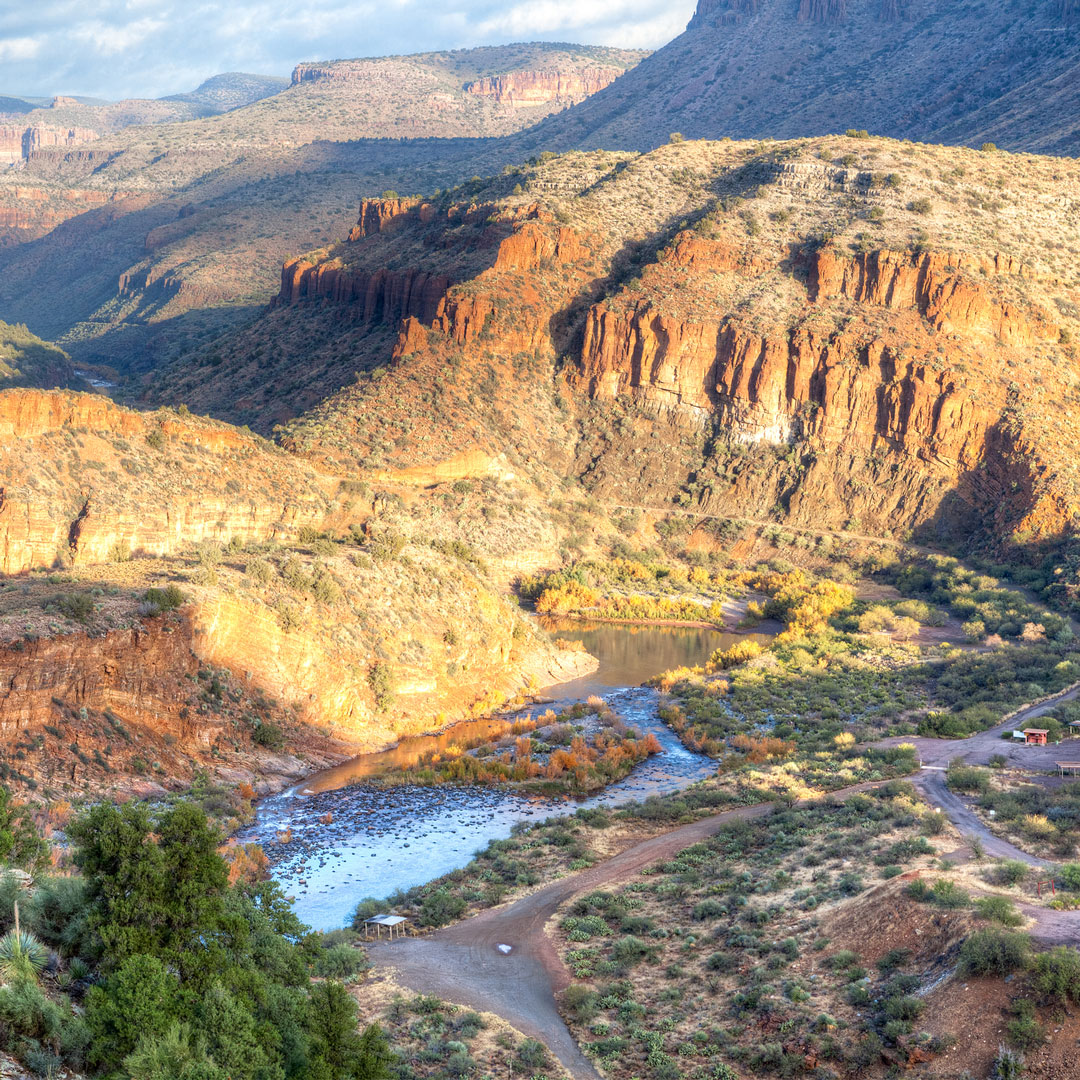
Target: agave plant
x=22, y=955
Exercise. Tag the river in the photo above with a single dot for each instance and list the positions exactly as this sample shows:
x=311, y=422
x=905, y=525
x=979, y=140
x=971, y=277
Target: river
x=348, y=840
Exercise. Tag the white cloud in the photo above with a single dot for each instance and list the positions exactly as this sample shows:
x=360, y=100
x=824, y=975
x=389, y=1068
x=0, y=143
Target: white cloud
x=150, y=48
x=20, y=48
x=111, y=40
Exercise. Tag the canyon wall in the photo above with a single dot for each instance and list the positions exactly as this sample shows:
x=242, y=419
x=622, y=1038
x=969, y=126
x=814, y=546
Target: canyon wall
x=196, y=480
x=850, y=395
x=19, y=143
x=522, y=89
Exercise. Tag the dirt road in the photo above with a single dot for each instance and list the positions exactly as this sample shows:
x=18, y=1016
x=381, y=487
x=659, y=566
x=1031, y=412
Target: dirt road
x=464, y=964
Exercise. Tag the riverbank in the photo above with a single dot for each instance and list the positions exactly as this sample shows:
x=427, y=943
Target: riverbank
x=330, y=848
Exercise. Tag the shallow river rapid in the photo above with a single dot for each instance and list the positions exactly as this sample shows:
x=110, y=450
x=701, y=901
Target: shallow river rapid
x=383, y=840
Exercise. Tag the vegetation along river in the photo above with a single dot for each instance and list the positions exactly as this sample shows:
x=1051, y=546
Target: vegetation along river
x=380, y=840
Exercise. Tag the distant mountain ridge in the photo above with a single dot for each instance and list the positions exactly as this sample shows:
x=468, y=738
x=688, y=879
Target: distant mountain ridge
x=946, y=71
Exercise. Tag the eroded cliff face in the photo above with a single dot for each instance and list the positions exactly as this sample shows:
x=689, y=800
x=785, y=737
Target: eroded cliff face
x=188, y=480
x=865, y=382
x=18, y=144
x=857, y=401
x=523, y=89
x=278, y=622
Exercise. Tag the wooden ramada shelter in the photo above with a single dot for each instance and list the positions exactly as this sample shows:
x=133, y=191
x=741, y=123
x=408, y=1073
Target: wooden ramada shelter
x=390, y=922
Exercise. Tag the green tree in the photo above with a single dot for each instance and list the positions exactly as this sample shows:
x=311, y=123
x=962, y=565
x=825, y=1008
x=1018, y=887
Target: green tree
x=140, y=1001
x=231, y=1036
x=177, y=1055
x=338, y=1050
x=20, y=843
x=124, y=879
x=161, y=896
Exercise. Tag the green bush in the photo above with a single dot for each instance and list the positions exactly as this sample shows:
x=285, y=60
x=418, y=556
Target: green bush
x=1024, y=1031
x=441, y=907
x=141, y=1000
x=843, y=960
x=26, y=1011
x=630, y=950
x=995, y=952
x=340, y=962
x=906, y=1007
x=1008, y=1065
x=968, y=779
x=1011, y=872
x=948, y=894
x=999, y=909
x=162, y=600
x=268, y=735
x=581, y=1003
x=1057, y=973
x=76, y=606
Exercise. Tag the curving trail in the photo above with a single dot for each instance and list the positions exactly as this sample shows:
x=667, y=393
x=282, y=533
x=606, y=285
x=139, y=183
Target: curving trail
x=463, y=963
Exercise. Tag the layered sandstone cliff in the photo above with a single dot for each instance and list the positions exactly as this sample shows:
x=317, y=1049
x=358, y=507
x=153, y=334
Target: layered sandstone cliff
x=278, y=621
x=18, y=144
x=190, y=480
x=522, y=89
x=859, y=360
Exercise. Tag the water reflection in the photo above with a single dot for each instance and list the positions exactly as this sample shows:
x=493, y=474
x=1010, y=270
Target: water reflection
x=349, y=840
x=630, y=655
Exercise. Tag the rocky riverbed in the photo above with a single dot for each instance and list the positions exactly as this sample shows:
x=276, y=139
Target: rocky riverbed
x=330, y=849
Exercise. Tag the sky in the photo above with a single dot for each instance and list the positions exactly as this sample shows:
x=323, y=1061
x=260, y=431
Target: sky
x=150, y=48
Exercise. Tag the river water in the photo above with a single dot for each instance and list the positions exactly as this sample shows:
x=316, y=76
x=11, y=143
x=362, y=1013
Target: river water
x=349, y=840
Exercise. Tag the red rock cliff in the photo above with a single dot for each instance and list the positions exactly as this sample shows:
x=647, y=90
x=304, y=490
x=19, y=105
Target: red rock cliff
x=18, y=143
x=520, y=89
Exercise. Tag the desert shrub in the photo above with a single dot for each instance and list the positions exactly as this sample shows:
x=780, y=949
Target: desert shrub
x=381, y=681
x=720, y=961
x=161, y=600
x=1024, y=1030
x=709, y=908
x=259, y=570
x=630, y=950
x=893, y=959
x=26, y=1011
x=269, y=736
x=441, y=907
x=1057, y=973
x=581, y=1003
x=906, y=1007
x=948, y=894
x=386, y=546
x=843, y=960
x=1008, y=1065
x=76, y=606
x=995, y=952
x=999, y=909
x=339, y=962
x=1010, y=872
x=968, y=778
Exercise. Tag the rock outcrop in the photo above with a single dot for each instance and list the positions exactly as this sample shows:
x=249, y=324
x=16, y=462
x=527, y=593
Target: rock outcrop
x=525, y=89
x=18, y=144
x=198, y=481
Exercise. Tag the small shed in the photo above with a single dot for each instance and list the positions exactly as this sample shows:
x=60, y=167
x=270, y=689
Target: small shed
x=1035, y=736
x=389, y=922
